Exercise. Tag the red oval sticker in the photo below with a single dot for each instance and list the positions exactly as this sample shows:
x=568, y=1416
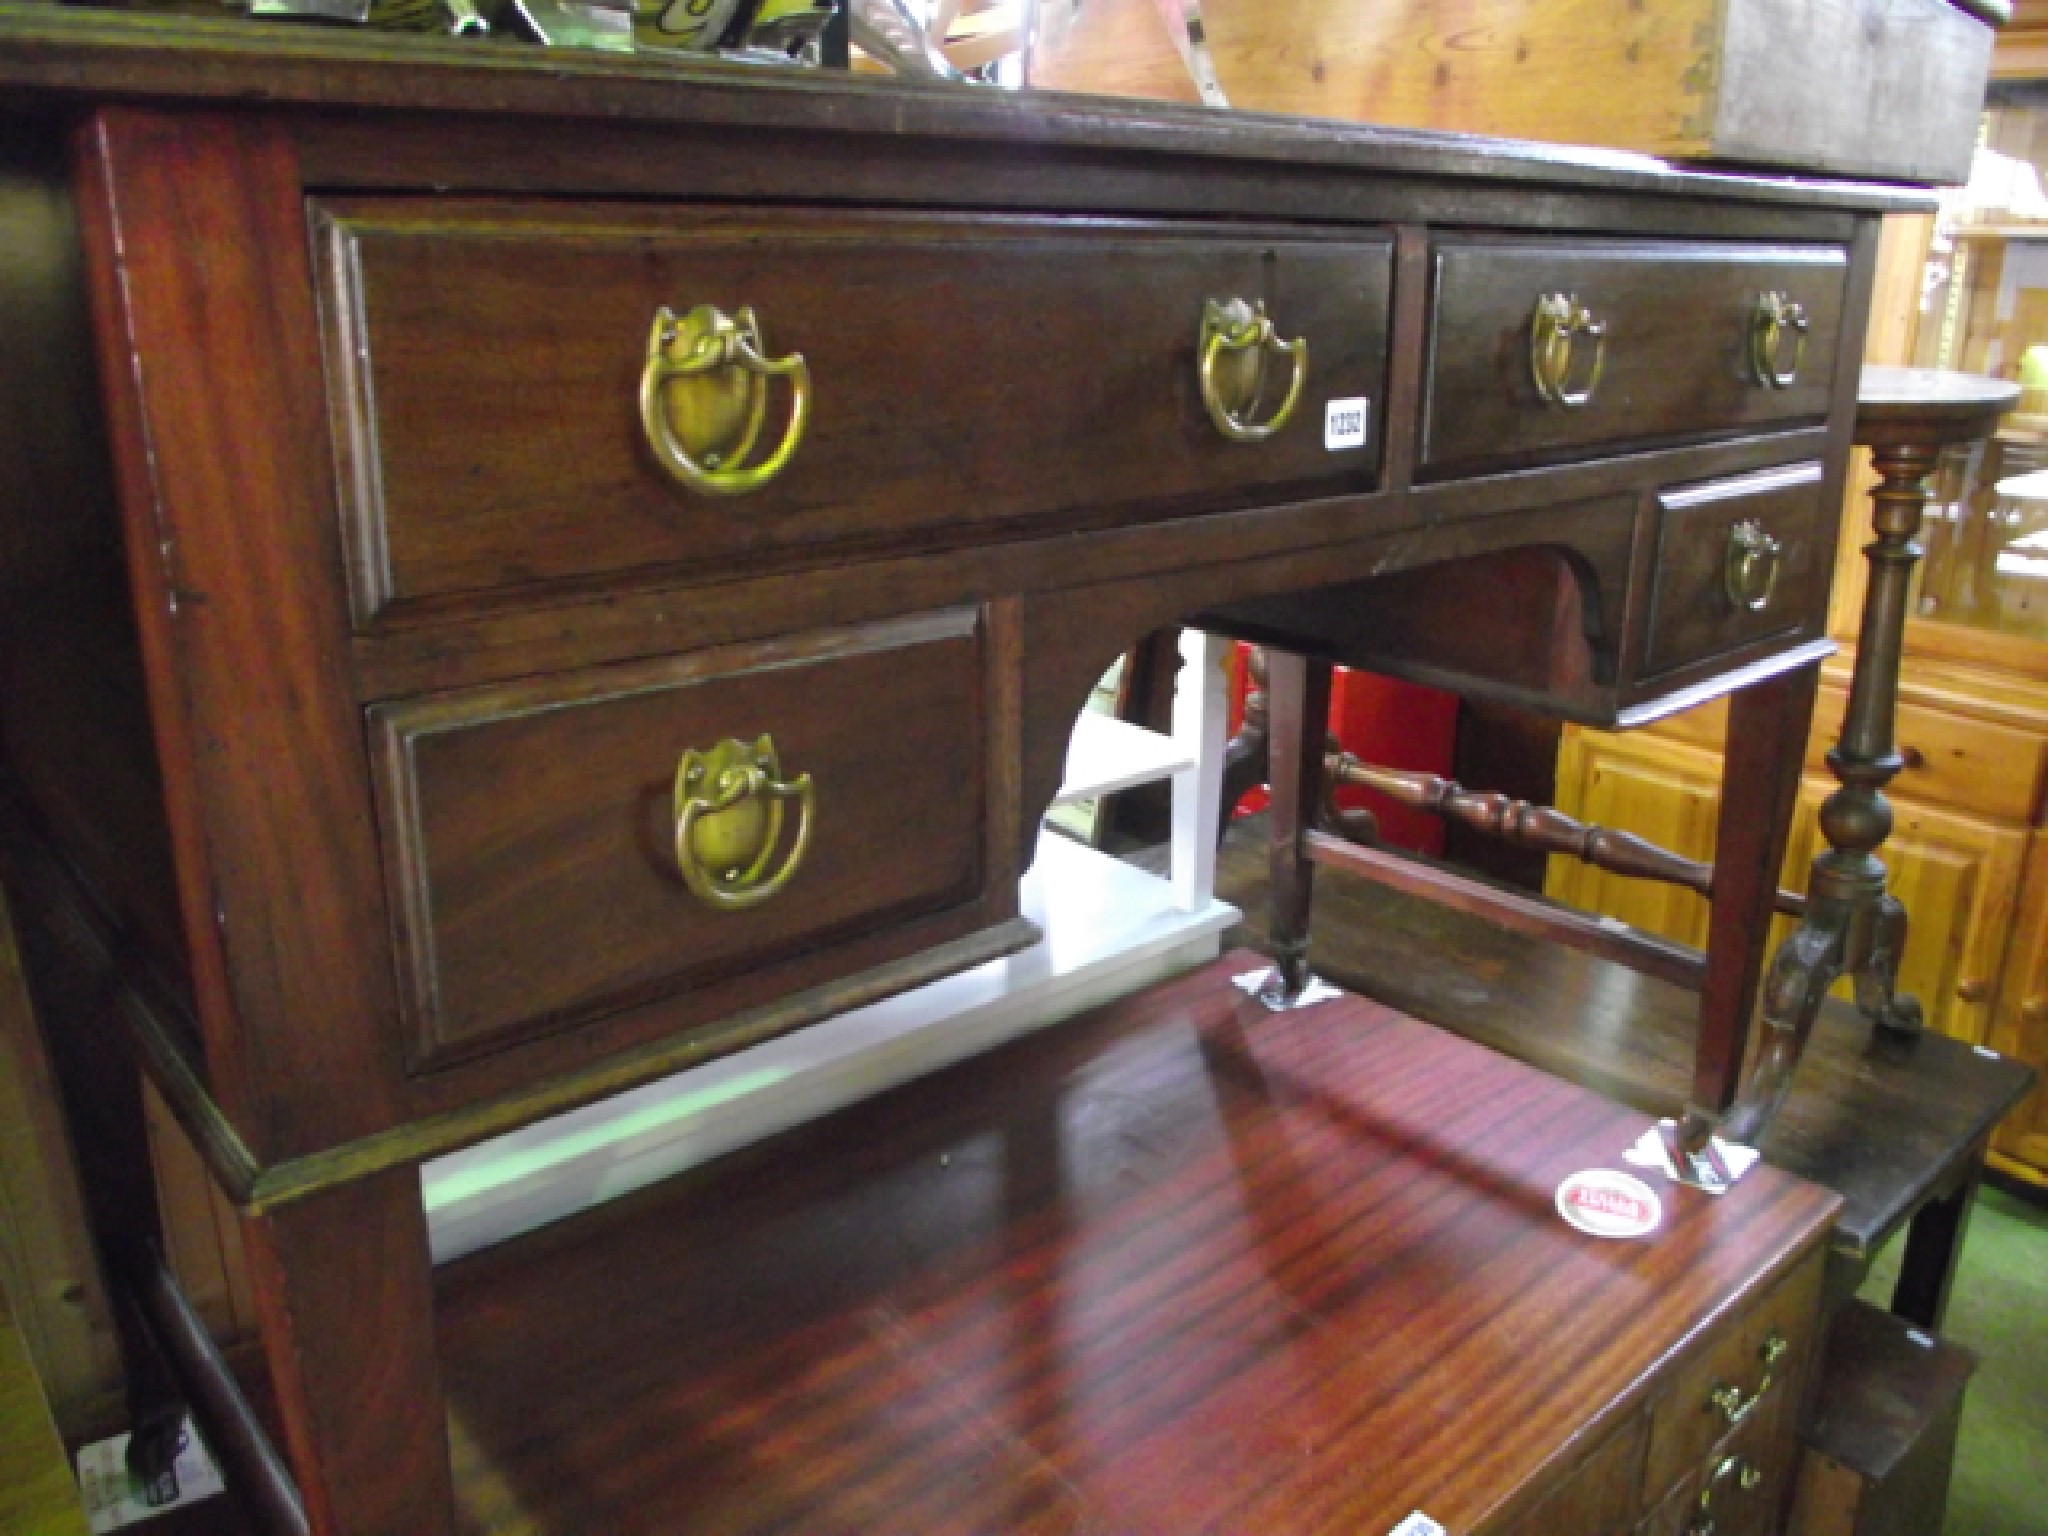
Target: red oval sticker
x=1609, y=1204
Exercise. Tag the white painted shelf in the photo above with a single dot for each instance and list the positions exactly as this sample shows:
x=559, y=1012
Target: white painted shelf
x=1106, y=754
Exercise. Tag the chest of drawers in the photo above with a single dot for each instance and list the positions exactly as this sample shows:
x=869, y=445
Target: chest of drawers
x=560, y=569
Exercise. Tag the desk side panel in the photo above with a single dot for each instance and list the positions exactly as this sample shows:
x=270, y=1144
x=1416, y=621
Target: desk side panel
x=74, y=712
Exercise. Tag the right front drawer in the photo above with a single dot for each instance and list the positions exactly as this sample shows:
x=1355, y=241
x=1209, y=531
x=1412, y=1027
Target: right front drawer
x=1679, y=343
x=1737, y=561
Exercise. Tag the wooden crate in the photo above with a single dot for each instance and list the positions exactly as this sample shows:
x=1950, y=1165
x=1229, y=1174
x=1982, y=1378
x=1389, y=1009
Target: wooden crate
x=1886, y=89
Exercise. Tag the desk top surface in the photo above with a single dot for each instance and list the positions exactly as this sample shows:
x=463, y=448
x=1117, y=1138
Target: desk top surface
x=62, y=51
x=1181, y=1265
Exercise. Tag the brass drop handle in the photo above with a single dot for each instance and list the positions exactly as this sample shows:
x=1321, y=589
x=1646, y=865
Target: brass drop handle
x=2034, y=1010
x=1733, y=1404
x=1746, y=1475
x=704, y=396
x=1556, y=326
x=1776, y=317
x=1750, y=572
x=1237, y=342
x=1972, y=989
x=729, y=802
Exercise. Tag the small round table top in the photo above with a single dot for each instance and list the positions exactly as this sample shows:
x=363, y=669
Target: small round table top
x=1929, y=405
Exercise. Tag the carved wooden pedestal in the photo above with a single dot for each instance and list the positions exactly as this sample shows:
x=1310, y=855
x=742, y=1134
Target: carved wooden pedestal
x=1853, y=926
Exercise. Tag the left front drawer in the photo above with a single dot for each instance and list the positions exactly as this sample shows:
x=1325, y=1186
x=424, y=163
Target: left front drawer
x=532, y=829
x=489, y=366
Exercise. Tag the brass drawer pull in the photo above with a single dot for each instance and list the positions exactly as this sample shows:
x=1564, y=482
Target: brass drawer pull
x=1732, y=1403
x=1774, y=317
x=1750, y=573
x=704, y=395
x=1237, y=340
x=1555, y=326
x=729, y=804
x=1747, y=1476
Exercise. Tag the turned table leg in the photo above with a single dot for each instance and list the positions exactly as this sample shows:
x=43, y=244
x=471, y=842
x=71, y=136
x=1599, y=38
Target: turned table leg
x=1853, y=926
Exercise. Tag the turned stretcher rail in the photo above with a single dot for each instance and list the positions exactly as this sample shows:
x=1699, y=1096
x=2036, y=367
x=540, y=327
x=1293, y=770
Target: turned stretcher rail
x=1538, y=828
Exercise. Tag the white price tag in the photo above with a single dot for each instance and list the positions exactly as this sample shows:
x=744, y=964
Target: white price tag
x=1418, y=1524
x=1345, y=423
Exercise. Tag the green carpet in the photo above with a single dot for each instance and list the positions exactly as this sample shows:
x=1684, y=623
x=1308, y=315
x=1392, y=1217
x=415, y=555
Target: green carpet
x=1998, y=1310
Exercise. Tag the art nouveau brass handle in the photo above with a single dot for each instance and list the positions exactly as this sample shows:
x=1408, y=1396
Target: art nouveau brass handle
x=1750, y=572
x=1747, y=1476
x=1555, y=328
x=704, y=396
x=1774, y=318
x=1237, y=339
x=729, y=803
x=1732, y=1403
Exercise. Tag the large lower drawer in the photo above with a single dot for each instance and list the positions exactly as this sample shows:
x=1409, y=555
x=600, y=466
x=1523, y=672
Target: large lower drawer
x=1546, y=350
x=546, y=867
x=490, y=366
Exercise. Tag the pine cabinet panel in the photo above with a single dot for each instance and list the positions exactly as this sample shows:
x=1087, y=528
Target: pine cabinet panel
x=1958, y=877
x=1669, y=794
x=2019, y=1025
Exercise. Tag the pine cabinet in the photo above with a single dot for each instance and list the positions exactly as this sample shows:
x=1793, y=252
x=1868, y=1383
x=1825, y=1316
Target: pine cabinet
x=1958, y=874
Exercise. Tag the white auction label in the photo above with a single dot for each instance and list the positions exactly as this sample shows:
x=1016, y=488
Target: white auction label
x=1345, y=423
x=1418, y=1524
x=1609, y=1204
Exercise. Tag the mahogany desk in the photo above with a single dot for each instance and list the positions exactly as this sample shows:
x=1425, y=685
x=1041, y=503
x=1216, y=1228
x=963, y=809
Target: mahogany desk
x=414, y=636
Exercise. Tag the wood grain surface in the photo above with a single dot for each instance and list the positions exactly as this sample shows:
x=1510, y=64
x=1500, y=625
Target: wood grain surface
x=1677, y=323
x=966, y=374
x=1184, y=1266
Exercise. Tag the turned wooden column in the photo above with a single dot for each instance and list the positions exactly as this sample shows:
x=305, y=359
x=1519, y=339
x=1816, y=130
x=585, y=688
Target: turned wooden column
x=1853, y=925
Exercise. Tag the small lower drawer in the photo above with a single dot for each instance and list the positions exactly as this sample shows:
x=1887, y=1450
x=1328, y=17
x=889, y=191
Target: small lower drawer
x=1738, y=561
x=1742, y=1379
x=546, y=868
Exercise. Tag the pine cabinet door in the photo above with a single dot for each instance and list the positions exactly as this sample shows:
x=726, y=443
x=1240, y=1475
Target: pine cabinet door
x=1668, y=793
x=2020, y=1023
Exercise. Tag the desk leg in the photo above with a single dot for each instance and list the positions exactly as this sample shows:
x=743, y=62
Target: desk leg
x=1767, y=726
x=344, y=1293
x=1298, y=712
x=1934, y=1244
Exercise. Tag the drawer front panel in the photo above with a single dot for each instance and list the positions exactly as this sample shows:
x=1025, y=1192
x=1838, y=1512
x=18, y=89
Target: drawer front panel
x=487, y=366
x=1766, y=1351
x=532, y=833
x=1953, y=760
x=1737, y=561
x=1677, y=350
